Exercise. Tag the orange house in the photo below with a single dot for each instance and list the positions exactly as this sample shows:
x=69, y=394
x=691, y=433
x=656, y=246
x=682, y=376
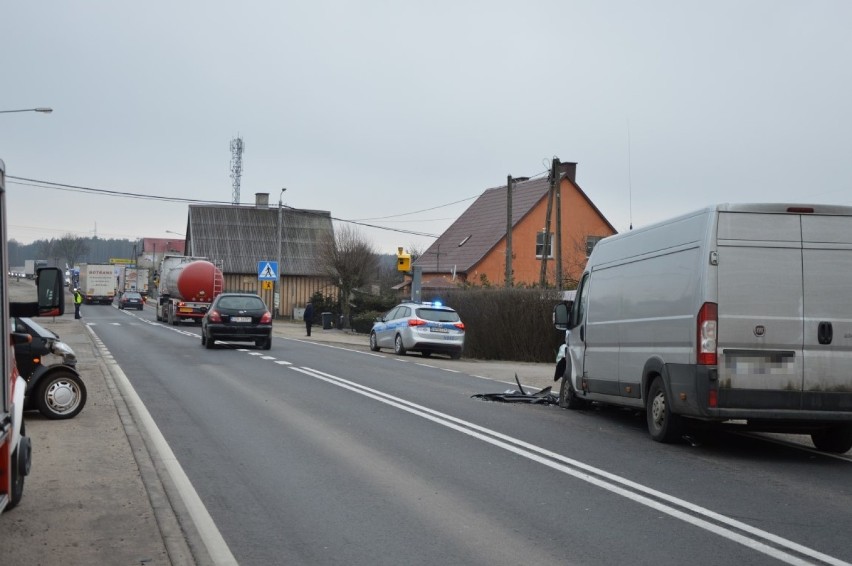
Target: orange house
x=473, y=249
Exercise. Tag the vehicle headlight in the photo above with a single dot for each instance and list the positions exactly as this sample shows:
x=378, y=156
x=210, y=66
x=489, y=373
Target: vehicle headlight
x=64, y=350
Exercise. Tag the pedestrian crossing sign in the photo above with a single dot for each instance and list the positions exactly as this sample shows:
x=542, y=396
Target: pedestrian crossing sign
x=267, y=270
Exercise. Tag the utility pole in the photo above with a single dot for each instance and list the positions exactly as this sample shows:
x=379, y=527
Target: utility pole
x=547, y=243
x=558, y=227
x=277, y=297
x=508, y=278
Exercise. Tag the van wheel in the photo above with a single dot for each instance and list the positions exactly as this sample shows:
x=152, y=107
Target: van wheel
x=20, y=458
x=663, y=425
x=398, y=348
x=836, y=439
x=568, y=397
x=374, y=343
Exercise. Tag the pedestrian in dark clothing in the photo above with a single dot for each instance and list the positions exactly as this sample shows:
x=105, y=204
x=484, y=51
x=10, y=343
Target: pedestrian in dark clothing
x=78, y=300
x=309, y=317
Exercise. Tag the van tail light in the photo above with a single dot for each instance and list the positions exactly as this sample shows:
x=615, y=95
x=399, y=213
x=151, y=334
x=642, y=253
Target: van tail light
x=266, y=318
x=708, y=320
x=214, y=316
x=713, y=398
x=416, y=322
x=459, y=325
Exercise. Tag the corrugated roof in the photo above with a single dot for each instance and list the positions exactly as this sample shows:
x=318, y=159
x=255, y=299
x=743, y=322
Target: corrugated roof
x=481, y=227
x=241, y=236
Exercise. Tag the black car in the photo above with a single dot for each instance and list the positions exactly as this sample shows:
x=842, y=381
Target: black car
x=54, y=387
x=131, y=300
x=237, y=317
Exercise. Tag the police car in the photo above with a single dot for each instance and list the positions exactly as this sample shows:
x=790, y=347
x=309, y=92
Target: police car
x=419, y=327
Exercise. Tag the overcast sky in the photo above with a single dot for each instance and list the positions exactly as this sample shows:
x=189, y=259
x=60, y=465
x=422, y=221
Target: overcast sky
x=376, y=109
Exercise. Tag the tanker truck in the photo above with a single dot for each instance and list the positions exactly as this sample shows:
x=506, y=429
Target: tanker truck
x=187, y=286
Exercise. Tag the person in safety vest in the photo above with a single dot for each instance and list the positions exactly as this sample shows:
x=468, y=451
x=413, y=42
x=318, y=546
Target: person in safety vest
x=78, y=300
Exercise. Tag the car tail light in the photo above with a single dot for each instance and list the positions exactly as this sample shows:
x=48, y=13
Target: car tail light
x=416, y=322
x=708, y=318
x=266, y=318
x=459, y=325
x=214, y=316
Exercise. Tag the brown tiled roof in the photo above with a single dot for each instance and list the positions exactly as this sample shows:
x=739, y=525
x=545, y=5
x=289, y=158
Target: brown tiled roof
x=481, y=227
x=241, y=236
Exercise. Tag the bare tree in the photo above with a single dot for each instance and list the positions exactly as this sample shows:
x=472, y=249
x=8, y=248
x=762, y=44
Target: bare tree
x=70, y=247
x=349, y=260
x=415, y=251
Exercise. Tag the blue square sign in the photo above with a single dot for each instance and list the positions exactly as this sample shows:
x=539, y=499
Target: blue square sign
x=267, y=270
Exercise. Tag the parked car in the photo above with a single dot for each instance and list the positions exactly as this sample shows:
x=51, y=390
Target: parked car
x=427, y=328
x=131, y=300
x=237, y=317
x=54, y=387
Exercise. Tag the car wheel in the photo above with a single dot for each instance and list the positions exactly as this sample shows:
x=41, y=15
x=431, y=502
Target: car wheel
x=456, y=355
x=140, y=307
x=268, y=344
x=62, y=395
x=203, y=339
x=836, y=439
x=263, y=343
x=663, y=425
x=398, y=347
x=209, y=342
x=121, y=308
x=374, y=343
x=426, y=354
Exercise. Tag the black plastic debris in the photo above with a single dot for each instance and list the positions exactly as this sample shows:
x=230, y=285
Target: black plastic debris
x=542, y=397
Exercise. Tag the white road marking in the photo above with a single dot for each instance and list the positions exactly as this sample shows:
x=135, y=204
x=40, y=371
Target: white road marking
x=732, y=529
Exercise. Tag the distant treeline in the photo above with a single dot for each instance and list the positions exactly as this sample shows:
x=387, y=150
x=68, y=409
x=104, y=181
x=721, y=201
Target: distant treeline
x=99, y=251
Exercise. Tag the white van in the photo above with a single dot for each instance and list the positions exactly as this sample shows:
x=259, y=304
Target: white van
x=738, y=312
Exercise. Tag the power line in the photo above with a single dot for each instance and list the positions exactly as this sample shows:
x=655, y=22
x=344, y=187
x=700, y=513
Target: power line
x=113, y=193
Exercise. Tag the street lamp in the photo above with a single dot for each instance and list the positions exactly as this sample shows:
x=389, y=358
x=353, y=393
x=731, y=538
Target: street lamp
x=42, y=110
x=278, y=275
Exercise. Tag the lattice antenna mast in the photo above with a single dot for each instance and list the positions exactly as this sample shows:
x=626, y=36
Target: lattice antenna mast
x=237, y=148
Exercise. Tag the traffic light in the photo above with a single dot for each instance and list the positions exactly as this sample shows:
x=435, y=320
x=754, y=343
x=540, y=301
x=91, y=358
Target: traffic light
x=403, y=261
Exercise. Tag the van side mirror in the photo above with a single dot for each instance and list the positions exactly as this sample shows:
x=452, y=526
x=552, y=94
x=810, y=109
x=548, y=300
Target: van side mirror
x=51, y=291
x=50, y=285
x=562, y=315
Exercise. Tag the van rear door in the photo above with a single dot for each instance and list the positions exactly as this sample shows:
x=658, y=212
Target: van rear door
x=760, y=297
x=827, y=259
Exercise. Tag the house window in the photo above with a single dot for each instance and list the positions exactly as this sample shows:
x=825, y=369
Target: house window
x=590, y=243
x=542, y=245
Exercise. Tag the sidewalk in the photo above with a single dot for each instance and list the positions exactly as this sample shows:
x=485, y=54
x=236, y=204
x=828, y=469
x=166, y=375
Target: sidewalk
x=94, y=495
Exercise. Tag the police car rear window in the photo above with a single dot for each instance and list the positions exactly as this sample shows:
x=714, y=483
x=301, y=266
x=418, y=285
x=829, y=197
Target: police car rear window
x=437, y=315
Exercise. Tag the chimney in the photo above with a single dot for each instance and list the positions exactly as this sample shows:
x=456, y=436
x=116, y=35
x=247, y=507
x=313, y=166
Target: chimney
x=261, y=200
x=568, y=169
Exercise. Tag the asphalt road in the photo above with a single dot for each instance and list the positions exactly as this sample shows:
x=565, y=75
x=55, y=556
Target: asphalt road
x=318, y=454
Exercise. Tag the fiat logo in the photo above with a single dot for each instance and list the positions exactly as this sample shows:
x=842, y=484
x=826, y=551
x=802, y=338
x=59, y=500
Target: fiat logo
x=759, y=330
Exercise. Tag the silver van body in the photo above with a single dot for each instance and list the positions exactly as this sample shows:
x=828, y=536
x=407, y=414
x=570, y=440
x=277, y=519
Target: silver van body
x=736, y=312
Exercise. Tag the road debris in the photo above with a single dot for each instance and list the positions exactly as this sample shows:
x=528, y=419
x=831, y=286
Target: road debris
x=542, y=397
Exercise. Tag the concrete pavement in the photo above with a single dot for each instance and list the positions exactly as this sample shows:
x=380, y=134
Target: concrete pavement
x=101, y=491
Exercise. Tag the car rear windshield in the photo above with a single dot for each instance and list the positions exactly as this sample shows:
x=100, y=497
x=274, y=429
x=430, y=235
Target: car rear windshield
x=241, y=303
x=438, y=315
